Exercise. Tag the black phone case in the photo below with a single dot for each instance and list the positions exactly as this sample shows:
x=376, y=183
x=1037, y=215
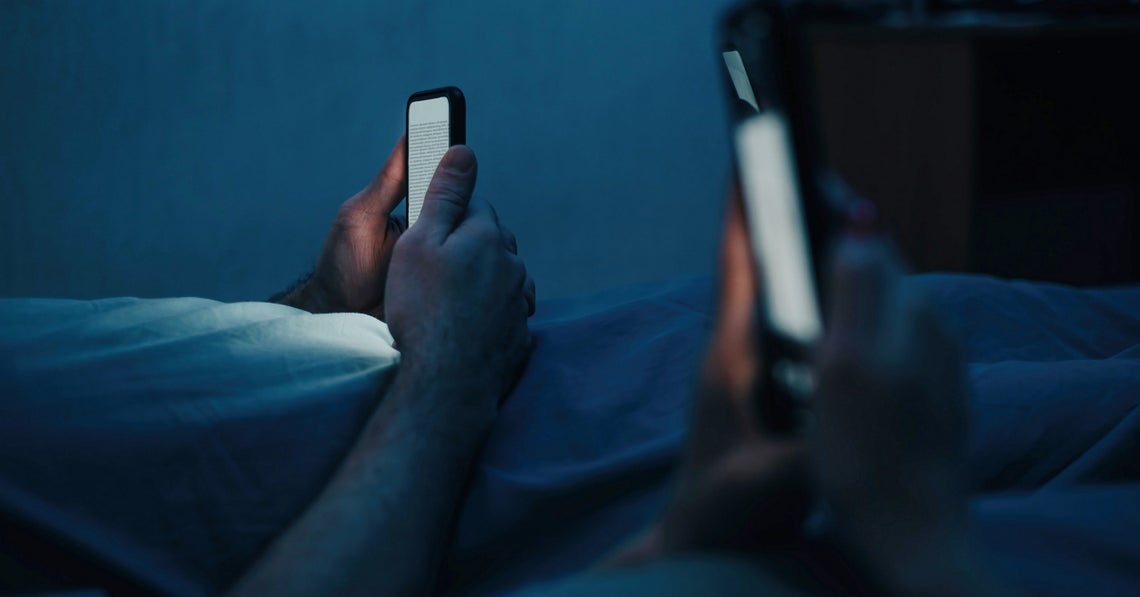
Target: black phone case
x=766, y=34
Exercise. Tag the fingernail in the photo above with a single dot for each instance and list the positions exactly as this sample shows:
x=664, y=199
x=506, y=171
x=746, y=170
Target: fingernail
x=459, y=159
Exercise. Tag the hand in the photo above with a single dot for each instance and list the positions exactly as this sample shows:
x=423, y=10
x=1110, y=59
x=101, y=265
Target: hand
x=353, y=266
x=888, y=451
x=457, y=300
x=458, y=296
x=741, y=488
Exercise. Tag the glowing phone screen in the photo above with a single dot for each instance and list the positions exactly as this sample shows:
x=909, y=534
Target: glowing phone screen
x=776, y=226
x=429, y=136
x=765, y=159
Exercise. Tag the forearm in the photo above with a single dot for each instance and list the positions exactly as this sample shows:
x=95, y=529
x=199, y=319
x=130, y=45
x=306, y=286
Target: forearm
x=382, y=523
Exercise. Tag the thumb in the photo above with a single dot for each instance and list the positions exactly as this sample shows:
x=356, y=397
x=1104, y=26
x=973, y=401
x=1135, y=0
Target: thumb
x=738, y=282
x=725, y=411
x=445, y=202
x=862, y=278
x=386, y=190
x=734, y=351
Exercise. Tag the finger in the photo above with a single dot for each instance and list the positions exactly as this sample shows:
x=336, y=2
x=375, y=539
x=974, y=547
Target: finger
x=395, y=227
x=525, y=285
x=738, y=281
x=400, y=221
x=448, y=195
x=862, y=282
x=388, y=187
x=925, y=346
x=865, y=325
x=509, y=240
x=530, y=293
x=481, y=214
x=732, y=365
x=910, y=331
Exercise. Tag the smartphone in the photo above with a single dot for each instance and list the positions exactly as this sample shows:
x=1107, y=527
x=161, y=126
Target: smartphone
x=791, y=220
x=436, y=120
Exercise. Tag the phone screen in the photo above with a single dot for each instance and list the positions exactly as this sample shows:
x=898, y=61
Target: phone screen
x=774, y=206
x=429, y=136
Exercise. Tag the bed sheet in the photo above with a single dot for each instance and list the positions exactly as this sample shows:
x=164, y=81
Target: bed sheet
x=169, y=439
x=183, y=484
x=585, y=450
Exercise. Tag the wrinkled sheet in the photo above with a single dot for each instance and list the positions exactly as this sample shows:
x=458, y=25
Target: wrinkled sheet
x=186, y=480
x=171, y=438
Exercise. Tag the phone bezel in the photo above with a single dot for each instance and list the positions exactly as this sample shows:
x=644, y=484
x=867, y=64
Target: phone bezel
x=457, y=122
x=786, y=91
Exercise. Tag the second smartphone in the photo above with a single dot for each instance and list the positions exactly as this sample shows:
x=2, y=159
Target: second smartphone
x=791, y=219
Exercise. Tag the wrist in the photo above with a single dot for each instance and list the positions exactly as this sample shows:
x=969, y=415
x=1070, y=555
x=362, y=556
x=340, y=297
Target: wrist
x=303, y=294
x=454, y=404
x=306, y=296
x=460, y=370
x=291, y=296
x=313, y=299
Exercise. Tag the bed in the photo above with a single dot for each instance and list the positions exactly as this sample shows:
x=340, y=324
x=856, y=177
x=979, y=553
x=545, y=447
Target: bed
x=170, y=439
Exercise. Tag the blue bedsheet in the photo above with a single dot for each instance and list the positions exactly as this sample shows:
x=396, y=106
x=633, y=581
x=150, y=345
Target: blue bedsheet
x=584, y=450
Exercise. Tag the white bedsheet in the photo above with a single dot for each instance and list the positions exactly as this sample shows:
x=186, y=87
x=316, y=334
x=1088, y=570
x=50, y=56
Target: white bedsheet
x=241, y=408
x=138, y=348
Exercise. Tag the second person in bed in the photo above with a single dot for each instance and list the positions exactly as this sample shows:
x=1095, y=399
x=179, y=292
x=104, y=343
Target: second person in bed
x=457, y=297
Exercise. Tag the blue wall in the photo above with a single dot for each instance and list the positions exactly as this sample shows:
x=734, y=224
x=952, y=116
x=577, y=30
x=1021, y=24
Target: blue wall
x=201, y=148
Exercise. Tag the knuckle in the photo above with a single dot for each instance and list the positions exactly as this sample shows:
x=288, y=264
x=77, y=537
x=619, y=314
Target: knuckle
x=390, y=177
x=485, y=232
x=449, y=192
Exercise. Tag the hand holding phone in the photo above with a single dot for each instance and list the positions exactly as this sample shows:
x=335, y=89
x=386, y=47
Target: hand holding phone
x=436, y=120
x=791, y=220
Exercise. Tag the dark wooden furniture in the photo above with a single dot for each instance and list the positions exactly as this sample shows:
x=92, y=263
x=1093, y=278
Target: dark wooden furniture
x=1008, y=149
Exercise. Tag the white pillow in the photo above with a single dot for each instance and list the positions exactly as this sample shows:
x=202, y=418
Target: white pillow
x=172, y=438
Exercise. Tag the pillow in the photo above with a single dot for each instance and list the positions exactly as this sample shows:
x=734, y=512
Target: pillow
x=175, y=437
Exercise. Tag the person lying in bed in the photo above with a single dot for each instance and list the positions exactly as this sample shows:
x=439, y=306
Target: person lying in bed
x=456, y=297
x=885, y=453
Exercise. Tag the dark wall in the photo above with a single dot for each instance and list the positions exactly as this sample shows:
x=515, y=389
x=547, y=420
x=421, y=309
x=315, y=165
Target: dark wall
x=201, y=148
